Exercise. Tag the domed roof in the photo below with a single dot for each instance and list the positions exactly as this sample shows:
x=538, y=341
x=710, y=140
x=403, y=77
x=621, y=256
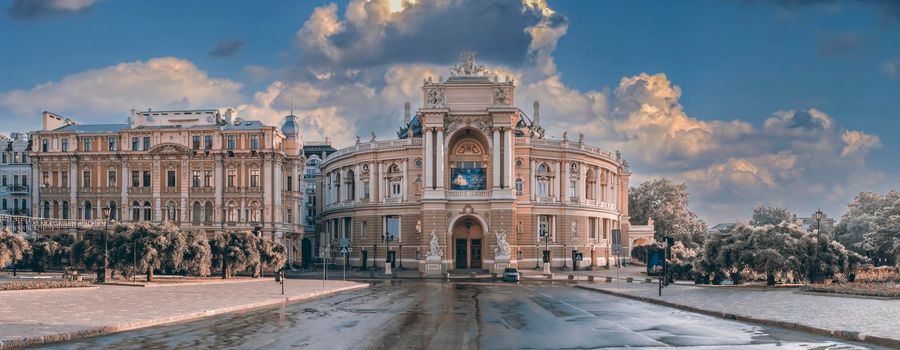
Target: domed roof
x=290, y=128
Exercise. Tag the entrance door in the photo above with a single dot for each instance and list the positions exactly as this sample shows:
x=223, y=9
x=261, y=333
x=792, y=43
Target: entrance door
x=306, y=253
x=461, y=257
x=476, y=254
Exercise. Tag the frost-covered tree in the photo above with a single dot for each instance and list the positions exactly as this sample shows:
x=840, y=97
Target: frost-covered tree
x=272, y=255
x=667, y=204
x=235, y=252
x=197, y=259
x=764, y=215
x=43, y=250
x=871, y=227
x=13, y=248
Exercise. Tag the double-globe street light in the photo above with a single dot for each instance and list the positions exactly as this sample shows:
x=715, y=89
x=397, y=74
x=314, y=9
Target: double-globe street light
x=106, y=215
x=387, y=238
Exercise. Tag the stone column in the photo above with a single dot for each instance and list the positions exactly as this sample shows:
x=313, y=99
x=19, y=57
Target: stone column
x=510, y=159
x=124, y=178
x=73, y=188
x=582, y=183
x=219, y=184
x=495, y=159
x=373, y=193
x=439, y=163
x=597, y=186
x=533, y=180
x=381, y=186
x=156, y=178
x=429, y=160
x=560, y=182
x=403, y=185
x=185, y=187
x=358, y=183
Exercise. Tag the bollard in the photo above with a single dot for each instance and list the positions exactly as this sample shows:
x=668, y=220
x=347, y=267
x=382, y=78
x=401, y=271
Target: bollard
x=648, y=280
x=549, y=276
x=608, y=279
x=571, y=277
x=590, y=278
x=629, y=279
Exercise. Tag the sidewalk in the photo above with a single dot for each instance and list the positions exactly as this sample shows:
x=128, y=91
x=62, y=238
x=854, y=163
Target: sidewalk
x=30, y=318
x=870, y=321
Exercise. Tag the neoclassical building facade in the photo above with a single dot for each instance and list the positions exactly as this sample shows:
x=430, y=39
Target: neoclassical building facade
x=201, y=169
x=469, y=165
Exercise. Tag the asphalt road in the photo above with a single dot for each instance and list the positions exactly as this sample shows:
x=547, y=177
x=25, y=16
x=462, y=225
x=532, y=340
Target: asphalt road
x=435, y=315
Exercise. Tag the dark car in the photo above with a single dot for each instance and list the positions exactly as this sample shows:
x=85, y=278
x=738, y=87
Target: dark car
x=511, y=274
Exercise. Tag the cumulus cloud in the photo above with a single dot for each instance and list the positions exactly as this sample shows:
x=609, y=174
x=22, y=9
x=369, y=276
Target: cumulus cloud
x=857, y=143
x=227, y=48
x=886, y=8
x=96, y=94
x=31, y=9
x=372, y=33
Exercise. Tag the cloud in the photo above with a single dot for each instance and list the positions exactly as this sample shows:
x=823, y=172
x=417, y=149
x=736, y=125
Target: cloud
x=32, y=9
x=887, y=8
x=841, y=43
x=892, y=68
x=227, y=48
x=97, y=94
x=858, y=143
x=369, y=34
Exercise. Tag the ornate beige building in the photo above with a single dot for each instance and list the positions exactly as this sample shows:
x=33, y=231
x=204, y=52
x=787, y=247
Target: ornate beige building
x=468, y=168
x=202, y=169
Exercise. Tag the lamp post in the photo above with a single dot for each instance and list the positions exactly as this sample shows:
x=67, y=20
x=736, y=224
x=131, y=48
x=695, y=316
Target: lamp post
x=387, y=238
x=106, y=215
x=536, y=266
x=814, y=271
x=545, y=237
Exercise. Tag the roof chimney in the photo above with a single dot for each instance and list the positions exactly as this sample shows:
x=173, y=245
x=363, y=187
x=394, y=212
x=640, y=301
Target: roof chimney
x=537, y=113
x=406, y=113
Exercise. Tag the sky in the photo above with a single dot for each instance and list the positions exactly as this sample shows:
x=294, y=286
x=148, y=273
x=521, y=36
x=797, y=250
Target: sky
x=788, y=103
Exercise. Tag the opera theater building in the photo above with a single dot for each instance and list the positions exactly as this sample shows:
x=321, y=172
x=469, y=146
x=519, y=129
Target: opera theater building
x=472, y=183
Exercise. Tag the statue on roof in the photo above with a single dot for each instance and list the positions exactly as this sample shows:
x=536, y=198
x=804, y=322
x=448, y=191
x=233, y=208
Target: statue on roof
x=466, y=66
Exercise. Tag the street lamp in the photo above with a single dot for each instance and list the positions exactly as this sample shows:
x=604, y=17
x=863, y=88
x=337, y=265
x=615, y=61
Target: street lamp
x=106, y=215
x=545, y=237
x=814, y=271
x=387, y=238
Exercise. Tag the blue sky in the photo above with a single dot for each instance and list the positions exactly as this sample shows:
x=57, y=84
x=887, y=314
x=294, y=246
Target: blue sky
x=730, y=85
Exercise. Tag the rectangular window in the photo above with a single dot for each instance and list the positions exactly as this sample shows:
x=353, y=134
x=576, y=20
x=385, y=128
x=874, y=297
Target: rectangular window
x=146, y=178
x=545, y=228
x=65, y=145
x=4, y=204
x=254, y=141
x=231, y=141
x=46, y=178
x=146, y=143
x=111, y=178
x=135, y=143
x=232, y=175
x=15, y=157
x=4, y=157
x=170, y=178
x=290, y=216
x=254, y=177
x=64, y=176
x=542, y=188
x=518, y=186
x=45, y=145
x=24, y=180
x=392, y=226
x=366, y=189
x=348, y=225
x=86, y=179
x=207, y=142
x=592, y=226
x=362, y=230
x=111, y=143
x=88, y=144
x=135, y=179
x=195, y=179
x=395, y=189
x=4, y=180
x=290, y=183
x=53, y=177
x=207, y=178
x=195, y=142
x=24, y=157
x=573, y=184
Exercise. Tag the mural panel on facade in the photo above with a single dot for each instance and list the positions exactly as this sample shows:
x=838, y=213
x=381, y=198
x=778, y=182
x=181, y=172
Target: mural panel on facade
x=468, y=179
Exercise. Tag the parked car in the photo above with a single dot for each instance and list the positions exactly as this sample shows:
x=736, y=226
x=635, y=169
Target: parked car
x=511, y=274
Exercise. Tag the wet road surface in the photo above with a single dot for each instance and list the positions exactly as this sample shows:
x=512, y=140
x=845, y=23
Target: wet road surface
x=436, y=315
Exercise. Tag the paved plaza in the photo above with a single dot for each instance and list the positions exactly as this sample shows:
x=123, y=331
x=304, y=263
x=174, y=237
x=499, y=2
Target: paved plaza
x=33, y=317
x=407, y=314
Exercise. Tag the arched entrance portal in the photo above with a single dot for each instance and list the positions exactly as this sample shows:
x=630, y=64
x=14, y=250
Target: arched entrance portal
x=468, y=242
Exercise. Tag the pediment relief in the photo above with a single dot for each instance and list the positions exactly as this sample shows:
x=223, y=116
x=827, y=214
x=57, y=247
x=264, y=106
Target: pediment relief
x=468, y=147
x=170, y=149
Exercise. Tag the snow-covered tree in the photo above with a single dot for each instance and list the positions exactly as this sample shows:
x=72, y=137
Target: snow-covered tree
x=667, y=204
x=871, y=227
x=764, y=215
x=13, y=248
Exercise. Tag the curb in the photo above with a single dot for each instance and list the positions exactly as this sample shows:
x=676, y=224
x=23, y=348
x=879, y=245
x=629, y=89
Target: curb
x=179, y=284
x=839, y=334
x=110, y=329
x=48, y=290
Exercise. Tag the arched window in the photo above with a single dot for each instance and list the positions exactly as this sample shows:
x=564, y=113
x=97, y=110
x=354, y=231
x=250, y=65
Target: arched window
x=543, y=168
x=519, y=186
x=394, y=168
x=113, y=211
x=65, y=209
x=88, y=211
x=590, y=187
x=196, y=212
x=351, y=185
x=337, y=187
x=171, y=212
x=46, y=209
x=231, y=212
x=148, y=211
x=208, y=213
x=135, y=211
